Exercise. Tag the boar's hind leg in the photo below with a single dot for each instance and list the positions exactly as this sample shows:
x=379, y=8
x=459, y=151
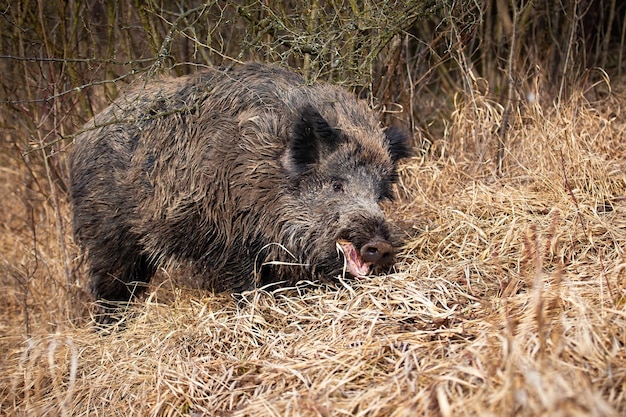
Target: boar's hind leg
x=116, y=276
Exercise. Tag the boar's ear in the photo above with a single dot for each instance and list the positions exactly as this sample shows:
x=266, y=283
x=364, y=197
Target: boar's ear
x=397, y=142
x=312, y=138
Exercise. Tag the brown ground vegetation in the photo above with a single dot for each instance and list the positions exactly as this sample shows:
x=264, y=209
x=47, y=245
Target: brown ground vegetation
x=509, y=297
x=510, y=300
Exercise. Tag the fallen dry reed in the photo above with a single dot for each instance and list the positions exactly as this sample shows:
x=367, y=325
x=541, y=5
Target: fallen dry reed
x=508, y=299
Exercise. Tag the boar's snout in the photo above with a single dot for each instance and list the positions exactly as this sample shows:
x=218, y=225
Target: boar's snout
x=377, y=251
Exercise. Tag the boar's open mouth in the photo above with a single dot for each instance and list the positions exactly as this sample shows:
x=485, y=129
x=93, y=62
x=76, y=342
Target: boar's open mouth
x=354, y=262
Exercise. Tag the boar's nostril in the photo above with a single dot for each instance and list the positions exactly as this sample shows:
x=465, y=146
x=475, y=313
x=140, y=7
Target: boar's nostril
x=377, y=251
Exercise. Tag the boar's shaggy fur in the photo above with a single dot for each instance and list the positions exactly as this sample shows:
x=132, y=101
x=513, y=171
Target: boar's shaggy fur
x=250, y=174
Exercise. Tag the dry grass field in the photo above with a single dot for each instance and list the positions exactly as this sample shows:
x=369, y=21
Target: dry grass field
x=509, y=294
x=509, y=299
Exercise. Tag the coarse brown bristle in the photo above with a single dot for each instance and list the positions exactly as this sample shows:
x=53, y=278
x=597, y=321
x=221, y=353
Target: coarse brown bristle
x=508, y=299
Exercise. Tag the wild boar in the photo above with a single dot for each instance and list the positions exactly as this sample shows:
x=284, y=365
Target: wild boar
x=250, y=174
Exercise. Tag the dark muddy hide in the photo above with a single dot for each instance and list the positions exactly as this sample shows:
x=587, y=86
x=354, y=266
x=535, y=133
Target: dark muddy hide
x=251, y=175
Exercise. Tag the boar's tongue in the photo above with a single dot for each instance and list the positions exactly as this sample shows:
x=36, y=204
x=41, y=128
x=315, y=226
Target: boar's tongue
x=354, y=263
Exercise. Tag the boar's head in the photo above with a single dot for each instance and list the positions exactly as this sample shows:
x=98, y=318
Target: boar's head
x=341, y=168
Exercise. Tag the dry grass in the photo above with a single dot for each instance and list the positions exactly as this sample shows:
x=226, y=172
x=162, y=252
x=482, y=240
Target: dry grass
x=509, y=297
x=511, y=300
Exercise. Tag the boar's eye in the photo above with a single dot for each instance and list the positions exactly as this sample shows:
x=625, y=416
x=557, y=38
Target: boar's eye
x=338, y=186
